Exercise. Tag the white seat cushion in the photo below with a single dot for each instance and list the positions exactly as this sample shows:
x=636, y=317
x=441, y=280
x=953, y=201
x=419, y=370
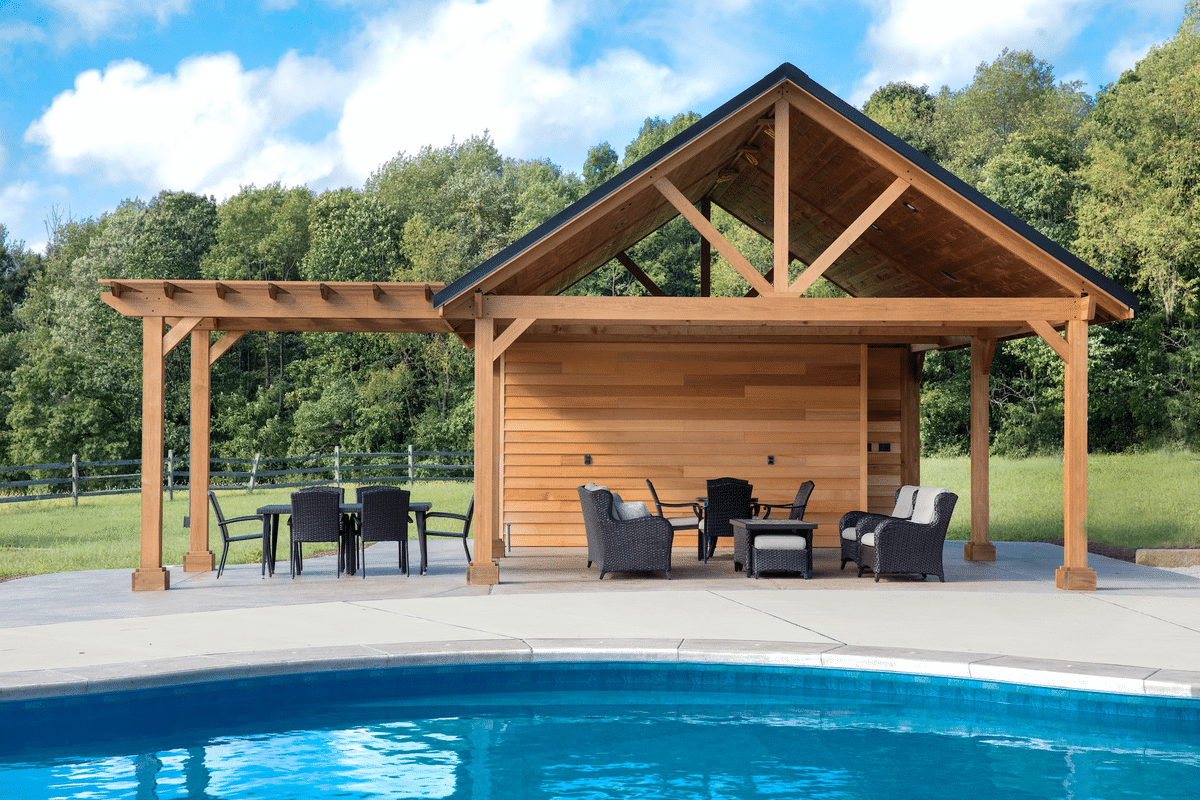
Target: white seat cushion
x=868, y=539
x=683, y=522
x=779, y=541
x=923, y=508
x=905, y=501
x=635, y=510
x=850, y=534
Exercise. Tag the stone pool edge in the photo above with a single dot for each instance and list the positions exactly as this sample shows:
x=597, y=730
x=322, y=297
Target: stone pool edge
x=159, y=673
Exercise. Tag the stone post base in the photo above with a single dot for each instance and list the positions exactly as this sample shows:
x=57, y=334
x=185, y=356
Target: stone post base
x=979, y=551
x=483, y=574
x=151, y=580
x=199, y=561
x=1079, y=579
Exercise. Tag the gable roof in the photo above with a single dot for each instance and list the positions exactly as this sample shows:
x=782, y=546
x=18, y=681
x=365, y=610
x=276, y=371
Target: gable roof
x=940, y=238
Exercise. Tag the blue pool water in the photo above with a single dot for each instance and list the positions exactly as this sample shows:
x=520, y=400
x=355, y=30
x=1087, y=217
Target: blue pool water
x=601, y=730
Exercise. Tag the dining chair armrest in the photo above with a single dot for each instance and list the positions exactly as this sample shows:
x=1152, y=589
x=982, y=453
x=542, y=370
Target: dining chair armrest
x=768, y=506
x=256, y=517
x=446, y=515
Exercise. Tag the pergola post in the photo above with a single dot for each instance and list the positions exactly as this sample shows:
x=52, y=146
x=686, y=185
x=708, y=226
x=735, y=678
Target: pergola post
x=1075, y=573
x=150, y=575
x=979, y=548
x=199, y=557
x=483, y=568
x=910, y=420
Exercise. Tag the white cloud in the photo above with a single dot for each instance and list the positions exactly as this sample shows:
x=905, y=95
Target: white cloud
x=212, y=126
x=1126, y=54
x=21, y=204
x=93, y=18
x=940, y=42
x=210, y=123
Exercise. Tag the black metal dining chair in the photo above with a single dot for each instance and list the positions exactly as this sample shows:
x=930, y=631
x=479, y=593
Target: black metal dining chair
x=383, y=518
x=460, y=530
x=224, y=524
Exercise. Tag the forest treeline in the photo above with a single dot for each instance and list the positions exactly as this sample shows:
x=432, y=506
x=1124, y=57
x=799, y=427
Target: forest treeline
x=1112, y=177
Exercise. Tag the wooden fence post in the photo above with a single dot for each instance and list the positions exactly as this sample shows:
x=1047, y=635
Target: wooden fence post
x=411, y=479
x=254, y=472
x=75, y=478
x=337, y=465
x=170, y=474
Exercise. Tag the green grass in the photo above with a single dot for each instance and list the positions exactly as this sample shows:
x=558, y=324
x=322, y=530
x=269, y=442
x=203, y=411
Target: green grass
x=103, y=532
x=1145, y=500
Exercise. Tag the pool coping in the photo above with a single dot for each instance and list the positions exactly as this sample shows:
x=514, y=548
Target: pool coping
x=984, y=667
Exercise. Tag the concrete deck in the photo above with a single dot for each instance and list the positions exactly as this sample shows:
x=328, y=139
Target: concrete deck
x=78, y=633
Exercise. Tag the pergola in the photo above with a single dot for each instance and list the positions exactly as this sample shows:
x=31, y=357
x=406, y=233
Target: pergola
x=927, y=263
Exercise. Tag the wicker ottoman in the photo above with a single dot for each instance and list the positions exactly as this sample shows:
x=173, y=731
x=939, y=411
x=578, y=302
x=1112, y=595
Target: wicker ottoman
x=781, y=552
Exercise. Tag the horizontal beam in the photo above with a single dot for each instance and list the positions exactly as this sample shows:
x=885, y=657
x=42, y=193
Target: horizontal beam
x=755, y=311
x=277, y=301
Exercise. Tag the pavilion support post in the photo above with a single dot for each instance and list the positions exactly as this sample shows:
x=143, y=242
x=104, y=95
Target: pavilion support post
x=1075, y=573
x=910, y=421
x=483, y=568
x=199, y=557
x=706, y=252
x=150, y=575
x=864, y=433
x=783, y=175
x=980, y=548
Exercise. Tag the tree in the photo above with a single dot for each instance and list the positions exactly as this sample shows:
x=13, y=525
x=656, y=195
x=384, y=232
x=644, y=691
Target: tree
x=909, y=112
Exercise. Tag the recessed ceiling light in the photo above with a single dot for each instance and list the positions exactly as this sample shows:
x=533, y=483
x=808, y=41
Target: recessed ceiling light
x=876, y=227
x=951, y=277
x=910, y=206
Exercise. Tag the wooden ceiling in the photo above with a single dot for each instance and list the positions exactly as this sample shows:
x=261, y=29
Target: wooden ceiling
x=938, y=239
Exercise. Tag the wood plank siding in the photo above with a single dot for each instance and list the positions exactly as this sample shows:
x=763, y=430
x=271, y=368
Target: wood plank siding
x=681, y=413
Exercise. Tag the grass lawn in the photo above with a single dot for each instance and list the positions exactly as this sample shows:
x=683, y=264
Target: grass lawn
x=102, y=532
x=1147, y=500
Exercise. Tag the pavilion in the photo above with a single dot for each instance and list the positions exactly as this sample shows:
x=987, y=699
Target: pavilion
x=773, y=386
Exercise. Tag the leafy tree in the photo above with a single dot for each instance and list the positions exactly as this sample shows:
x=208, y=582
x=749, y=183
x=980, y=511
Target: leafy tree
x=600, y=165
x=909, y=112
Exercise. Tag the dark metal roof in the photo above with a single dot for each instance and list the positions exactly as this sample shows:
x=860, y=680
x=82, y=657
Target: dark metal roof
x=784, y=73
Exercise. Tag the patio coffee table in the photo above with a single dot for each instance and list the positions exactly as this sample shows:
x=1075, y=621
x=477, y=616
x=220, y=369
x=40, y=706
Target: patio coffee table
x=775, y=544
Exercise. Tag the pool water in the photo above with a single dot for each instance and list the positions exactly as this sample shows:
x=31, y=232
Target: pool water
x=601, y=730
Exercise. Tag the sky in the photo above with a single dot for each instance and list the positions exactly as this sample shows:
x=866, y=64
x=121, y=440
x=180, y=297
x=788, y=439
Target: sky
x=107, y=100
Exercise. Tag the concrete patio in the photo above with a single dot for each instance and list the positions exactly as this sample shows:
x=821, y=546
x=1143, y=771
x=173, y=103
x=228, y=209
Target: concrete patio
x=77, y=633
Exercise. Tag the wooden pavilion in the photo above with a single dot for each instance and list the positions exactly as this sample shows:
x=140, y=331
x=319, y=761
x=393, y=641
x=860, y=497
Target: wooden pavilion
x=772, y=387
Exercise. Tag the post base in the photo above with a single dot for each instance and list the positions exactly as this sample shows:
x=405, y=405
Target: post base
x=199, y=561
x=979, y=551
x=1078, y=579
x=483, y=574
x=151, y=580
x=498, y=547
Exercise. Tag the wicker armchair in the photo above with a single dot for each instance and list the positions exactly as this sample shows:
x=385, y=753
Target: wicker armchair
x=851, y=523
x=637, y=544
x=910, y=546
x=728, y=498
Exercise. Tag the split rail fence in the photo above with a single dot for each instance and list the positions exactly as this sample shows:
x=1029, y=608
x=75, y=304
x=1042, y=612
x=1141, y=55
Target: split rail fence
x=73, y=479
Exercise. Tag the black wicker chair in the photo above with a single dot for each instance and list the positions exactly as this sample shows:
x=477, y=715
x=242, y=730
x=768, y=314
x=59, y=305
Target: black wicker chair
x=795, y=510
x=853, y=522
x=641, y=544
x=224, y=524
x=910, y=546
x=383, y=518
x=461, y=531
x=316, y=517
x=728, y=498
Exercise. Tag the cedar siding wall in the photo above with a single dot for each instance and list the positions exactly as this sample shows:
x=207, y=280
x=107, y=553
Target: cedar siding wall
x=681, y=413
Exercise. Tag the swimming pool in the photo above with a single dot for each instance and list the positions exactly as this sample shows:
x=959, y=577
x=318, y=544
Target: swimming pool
x=598, y=730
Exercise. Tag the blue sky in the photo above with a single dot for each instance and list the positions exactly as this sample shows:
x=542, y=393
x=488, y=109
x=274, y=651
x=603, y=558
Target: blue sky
x=103, y=100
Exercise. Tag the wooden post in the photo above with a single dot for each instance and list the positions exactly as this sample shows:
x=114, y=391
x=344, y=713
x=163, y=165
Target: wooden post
x=910, y=420
x=864, y=473
x=199, y=557
x=75, y=479
x=705, y=252
x=783, y=172
x=980, y=548
x=151, y=576
x=1075, y=573
x=483, y=569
